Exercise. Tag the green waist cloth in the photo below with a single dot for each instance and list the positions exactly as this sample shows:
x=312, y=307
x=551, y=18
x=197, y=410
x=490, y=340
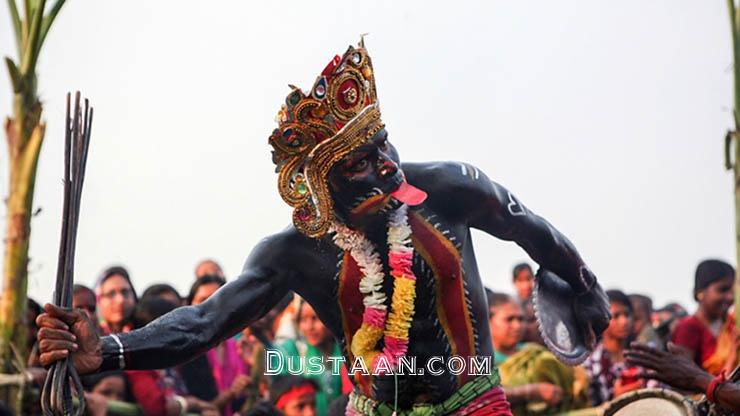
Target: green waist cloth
x=466, y=394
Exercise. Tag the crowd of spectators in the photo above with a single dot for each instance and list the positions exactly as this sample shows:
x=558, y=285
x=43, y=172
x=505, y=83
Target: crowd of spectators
x=641, y=348
x=230, y=378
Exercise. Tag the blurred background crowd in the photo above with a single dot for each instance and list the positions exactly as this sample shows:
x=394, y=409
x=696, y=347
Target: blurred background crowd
x=229, y=379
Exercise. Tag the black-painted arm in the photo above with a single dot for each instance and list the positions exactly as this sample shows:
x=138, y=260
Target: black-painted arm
x=188, y=331
x=490, y=207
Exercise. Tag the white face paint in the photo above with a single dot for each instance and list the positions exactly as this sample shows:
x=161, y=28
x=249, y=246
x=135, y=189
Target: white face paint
x=465, y=169
x=514, y=207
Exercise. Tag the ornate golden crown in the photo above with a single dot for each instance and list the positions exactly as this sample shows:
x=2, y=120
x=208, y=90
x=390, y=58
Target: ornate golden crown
x=317, y=130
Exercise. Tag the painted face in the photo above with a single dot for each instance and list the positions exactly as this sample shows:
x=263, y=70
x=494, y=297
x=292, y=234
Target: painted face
x=113, y=388
x=524, y=284
x=717, y=298
x=304, y=405
x=116, y=302
x=506, y=325
x=620, y=326
x=361, y=182
x=311, y=326
x=204, y=292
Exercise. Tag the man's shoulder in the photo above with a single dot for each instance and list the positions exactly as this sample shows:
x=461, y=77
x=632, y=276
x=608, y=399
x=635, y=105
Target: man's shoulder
x=441, y=170
x=444, y=174
x=443, y=180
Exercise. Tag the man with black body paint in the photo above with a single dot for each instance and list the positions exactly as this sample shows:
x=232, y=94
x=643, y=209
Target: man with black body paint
x=362, y=185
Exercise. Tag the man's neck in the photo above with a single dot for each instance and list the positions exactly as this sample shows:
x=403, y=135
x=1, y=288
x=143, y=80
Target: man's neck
x=372, y=225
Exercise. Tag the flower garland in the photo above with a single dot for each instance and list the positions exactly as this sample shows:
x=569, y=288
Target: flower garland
x=394, y=330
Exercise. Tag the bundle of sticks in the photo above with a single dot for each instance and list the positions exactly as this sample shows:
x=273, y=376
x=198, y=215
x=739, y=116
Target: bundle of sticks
x=63, y=385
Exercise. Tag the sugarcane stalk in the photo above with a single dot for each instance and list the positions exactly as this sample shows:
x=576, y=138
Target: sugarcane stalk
x=24, y=131
x=732, y=150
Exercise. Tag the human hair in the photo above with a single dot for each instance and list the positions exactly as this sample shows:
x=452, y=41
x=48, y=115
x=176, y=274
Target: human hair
x=78, y=288
x=496, y=299
x=710, y=271
x=150, y=309
x=617, y=296
x=199, y=274
x=35, y=307
x=674, y=308
x=205, y=280
x=642, y=302
x=520, y=268
x=158, y=289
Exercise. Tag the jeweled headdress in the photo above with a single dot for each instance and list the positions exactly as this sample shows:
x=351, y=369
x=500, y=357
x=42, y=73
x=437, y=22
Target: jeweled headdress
x=318, y=129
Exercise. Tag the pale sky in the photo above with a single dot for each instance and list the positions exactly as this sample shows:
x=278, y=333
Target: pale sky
x=606, y=118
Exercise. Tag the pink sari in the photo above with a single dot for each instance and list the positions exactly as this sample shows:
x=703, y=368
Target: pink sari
x=226, y=364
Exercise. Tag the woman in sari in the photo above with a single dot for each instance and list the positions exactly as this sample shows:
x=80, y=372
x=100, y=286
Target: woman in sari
x=534, y=380
x=698, y=333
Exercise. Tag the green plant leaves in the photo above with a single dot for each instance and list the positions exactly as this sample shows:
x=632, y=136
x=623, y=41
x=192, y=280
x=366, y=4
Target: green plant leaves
x=15, y=75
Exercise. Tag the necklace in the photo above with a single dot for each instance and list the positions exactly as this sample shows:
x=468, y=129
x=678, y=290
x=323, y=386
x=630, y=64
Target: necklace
x=377, y=322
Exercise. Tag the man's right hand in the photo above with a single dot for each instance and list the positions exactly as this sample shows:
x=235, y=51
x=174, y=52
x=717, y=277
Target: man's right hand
x=62, y=332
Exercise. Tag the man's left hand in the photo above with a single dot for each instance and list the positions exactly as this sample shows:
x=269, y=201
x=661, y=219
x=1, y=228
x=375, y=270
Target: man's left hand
x=592, y=312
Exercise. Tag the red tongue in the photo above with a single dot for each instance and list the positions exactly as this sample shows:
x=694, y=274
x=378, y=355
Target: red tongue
x=409, y=194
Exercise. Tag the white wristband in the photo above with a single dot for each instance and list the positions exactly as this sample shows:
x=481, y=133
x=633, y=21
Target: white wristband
x=121, y=361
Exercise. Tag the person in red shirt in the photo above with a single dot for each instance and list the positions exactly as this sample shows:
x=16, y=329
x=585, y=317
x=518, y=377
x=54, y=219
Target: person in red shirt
x=155, y=391
x=714, y=291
